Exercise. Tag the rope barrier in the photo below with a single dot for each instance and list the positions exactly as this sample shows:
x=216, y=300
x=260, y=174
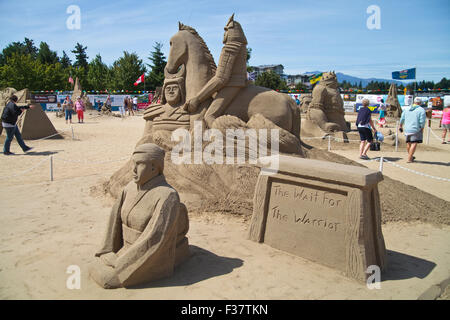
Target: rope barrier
x=406, y=169
x=26, y=171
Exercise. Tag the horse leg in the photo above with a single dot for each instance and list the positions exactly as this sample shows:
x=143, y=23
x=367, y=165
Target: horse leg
x=220, y=103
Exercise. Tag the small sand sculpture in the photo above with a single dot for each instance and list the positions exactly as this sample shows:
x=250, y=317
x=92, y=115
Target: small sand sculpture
x=393, y=105
x=146, y=232
x=326, y=109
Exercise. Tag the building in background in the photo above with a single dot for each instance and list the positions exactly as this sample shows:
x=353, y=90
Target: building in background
x=277, y=68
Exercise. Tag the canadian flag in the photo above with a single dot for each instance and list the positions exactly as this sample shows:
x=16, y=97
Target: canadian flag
x=140, y=79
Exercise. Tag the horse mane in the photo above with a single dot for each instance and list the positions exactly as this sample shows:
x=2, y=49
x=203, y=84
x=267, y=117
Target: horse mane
x=208, y=54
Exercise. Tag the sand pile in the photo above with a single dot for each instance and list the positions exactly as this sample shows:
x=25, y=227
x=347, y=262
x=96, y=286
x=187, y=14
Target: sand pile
x=230, y=188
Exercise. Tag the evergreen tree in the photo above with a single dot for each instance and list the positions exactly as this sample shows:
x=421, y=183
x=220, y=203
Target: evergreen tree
x=98, y=73
x=45, y=55
x=156, y=75
x=80, y=56
x=65, y=60
x=125, y=71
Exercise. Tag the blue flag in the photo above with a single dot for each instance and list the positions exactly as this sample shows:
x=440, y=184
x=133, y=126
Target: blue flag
x=404, y=74
x=251, y=75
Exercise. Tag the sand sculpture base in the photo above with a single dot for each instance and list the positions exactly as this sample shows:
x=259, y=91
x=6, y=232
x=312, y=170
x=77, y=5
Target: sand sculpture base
x=326, y=212
x=311, y=129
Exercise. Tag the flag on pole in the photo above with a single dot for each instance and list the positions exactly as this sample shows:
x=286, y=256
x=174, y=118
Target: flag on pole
x=71, y=80
x=251, y=76
x=315, y=78
x=140, y=79
x=404, y=74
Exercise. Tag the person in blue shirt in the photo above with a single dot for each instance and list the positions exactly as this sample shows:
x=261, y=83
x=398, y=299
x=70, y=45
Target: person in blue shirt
x=413, y=121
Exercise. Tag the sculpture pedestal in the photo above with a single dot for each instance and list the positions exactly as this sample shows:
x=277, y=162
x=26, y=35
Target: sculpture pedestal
x=323, y=211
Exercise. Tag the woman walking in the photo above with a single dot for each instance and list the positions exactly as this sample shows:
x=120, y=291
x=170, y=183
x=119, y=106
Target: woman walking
x=365, y=126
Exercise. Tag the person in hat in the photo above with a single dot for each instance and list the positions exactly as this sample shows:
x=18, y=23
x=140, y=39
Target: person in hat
x=9, y=118
x=413, y=121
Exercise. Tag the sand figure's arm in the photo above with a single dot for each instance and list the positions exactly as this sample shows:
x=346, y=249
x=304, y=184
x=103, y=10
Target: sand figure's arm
x=113, y=240
x=153, y=253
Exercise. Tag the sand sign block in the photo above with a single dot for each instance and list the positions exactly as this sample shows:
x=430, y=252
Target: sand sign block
x=323, y=211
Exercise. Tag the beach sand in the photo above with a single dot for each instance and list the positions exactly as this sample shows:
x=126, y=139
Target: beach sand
x=48, y=226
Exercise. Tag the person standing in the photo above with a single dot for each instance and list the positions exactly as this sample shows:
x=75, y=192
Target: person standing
x=79, y=106
x=382, y=118
x=135, y=103
x=445, y=121
x=68, y=108
x=108, y=103
x=365, y=126
x=123, y=107
x=9, y=118
x=130, y=106
x=414, y=121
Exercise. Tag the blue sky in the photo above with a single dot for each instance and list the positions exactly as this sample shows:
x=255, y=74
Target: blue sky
x=300, y=35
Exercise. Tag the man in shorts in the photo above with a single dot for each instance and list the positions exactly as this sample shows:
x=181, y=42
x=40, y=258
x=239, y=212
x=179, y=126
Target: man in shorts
x=413, y=121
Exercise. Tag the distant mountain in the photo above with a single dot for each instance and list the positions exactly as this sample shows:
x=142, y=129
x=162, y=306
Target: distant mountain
x=355, y=80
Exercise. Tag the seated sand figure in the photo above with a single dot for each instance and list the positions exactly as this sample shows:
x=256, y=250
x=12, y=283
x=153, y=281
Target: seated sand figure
x=145, y=237
x=327, y=107
x=169, y=114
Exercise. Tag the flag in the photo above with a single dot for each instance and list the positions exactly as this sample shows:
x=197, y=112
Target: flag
x=251, y=76
x=140, y=79
x=404, y=74
x=315, y=78
x=71, y=80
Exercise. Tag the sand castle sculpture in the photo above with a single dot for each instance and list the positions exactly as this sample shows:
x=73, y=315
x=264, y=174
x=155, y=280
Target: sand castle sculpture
x=219, y=95
x=78, y=92
x=326, y=109
x=393, y=105
x=32, y=123
x=146, y=232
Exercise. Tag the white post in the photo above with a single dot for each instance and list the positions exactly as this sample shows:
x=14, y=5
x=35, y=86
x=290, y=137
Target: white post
x=329, y=143
x=51, y=168
x=73, y=135
x=428, y=134
x=396, y=136
x=381, y=164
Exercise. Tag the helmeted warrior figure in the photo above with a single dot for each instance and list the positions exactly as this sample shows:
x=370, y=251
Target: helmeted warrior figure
x=230, y=77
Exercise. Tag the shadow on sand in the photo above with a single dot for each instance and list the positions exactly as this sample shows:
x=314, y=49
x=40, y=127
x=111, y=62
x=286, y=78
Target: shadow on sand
x=402, y=266
x=202, y=265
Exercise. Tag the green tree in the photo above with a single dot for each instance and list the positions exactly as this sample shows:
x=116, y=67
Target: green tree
x=156, y=75
x=125, y=72
x=271, y=80
x=80, y=56
x=22, y=71
x=98, y=73
x=65, y=60
x=300, y=86
x=45, y=55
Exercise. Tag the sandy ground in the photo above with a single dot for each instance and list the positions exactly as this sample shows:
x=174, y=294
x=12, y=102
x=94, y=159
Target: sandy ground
x=48, y=226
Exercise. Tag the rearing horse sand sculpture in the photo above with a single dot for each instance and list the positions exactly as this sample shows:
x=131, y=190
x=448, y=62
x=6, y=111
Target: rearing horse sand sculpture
x=190, y=57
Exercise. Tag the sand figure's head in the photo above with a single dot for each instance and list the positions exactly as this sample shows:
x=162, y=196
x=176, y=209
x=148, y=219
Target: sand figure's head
x=329, y=79
x=148, y=162
x=234, y=32
x=173, y=91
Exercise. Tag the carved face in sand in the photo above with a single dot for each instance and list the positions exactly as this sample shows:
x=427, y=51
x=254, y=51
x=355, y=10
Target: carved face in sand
x=172, y=93
x=143, y=169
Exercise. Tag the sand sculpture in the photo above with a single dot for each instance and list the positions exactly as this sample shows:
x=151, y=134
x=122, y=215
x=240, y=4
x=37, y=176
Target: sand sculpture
x=78, y=92
x=305, y=101
x=393, y=105
x=220, y=96
x=146, y=232
x=326, y=109
x=326, y=212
